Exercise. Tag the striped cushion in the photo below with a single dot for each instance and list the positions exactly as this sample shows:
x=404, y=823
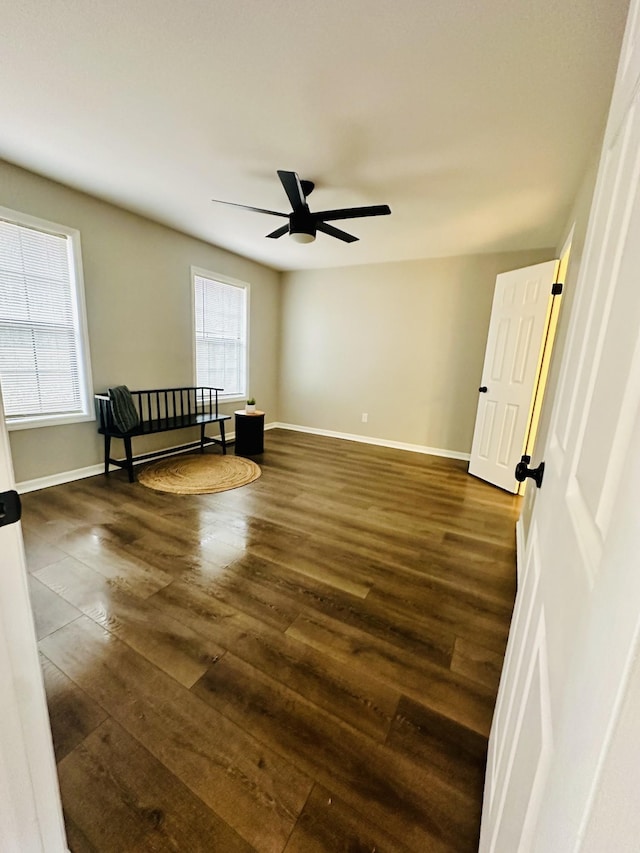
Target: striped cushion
x=125, y=414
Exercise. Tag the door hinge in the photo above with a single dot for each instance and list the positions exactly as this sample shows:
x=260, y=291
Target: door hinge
x=556, y=288
x=10, y=508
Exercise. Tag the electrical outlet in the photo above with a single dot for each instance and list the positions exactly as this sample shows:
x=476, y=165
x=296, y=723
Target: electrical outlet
x=365, y=417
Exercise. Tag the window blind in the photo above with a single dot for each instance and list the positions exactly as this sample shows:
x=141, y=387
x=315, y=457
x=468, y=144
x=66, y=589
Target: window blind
x=40, y=364
x=220, y=335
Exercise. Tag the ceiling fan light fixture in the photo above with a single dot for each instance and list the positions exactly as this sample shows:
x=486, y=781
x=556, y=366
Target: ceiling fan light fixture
x=302, y=227
x=301, y=237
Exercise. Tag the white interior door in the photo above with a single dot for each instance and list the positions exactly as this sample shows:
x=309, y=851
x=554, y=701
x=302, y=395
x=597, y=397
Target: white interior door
x=559, y=776
x=519, y=318
x=30, y=811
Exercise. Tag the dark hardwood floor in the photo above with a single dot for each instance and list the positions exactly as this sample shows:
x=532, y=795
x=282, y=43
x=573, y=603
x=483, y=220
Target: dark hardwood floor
x=308, y=663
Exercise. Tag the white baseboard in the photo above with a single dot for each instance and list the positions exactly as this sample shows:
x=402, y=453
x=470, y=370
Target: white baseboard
x=58, y=479
x=381, y=442
x=91, y=470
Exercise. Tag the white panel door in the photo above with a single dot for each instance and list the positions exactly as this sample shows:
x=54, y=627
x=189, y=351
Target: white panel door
x=553, y=774
x=519, y=320
x=30, y=811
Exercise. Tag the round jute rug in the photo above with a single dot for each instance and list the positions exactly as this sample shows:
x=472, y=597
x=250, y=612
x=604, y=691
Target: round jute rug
x=199, y=475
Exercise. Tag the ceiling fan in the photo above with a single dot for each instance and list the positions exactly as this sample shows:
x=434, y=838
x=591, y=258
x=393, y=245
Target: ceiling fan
x=303, y=224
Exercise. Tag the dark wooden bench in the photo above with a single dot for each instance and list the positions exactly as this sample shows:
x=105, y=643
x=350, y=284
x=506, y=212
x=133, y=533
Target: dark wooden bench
x=161, y=410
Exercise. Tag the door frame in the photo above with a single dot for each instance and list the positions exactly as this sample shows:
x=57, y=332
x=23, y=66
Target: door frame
x=564, y=259
x=31, y=816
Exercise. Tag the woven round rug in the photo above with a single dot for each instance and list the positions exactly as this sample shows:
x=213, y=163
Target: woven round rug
x=199, y=475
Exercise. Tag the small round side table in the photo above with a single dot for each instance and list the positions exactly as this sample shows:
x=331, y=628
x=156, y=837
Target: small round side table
x=249, y=433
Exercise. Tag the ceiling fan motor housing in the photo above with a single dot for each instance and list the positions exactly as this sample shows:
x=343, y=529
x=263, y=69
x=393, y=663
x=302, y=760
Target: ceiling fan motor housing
x=302, y=226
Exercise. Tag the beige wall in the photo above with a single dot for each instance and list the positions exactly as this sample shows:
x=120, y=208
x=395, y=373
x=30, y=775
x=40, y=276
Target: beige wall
x=403, y=342
x=137, y=288
x=578, y=220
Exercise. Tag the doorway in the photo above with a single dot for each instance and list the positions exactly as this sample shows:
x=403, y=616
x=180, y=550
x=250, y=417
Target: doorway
x=524, y=319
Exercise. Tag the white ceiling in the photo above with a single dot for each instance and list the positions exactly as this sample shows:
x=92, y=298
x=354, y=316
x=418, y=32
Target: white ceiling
x=472, y=119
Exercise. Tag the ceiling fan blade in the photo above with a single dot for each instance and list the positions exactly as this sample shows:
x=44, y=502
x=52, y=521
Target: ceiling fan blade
x=354, y=212
x=335, y=232
x=291, y=183
x=279, y=232
x=254, y=209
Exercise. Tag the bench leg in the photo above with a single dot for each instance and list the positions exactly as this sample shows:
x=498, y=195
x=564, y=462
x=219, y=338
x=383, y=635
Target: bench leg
x=129, y=455
x=222, y=438
x=201, y=438
x=107, y=453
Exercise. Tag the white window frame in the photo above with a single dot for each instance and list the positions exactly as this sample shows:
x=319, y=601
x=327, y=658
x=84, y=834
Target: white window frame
x=74, y=249
x=222, y=279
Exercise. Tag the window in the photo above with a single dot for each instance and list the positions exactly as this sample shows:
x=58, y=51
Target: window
x=220, y=323
x=44, y=355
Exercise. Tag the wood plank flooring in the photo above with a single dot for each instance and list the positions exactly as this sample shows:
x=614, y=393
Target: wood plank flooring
x=307, y=664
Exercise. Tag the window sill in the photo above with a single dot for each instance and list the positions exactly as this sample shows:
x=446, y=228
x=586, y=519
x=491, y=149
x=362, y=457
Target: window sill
x=47, y=421
x=223, y=400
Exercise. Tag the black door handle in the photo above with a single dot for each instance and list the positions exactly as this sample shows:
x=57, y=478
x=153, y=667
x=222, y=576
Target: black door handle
x=483, y=389
x=522, y=471
x=10, y=508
